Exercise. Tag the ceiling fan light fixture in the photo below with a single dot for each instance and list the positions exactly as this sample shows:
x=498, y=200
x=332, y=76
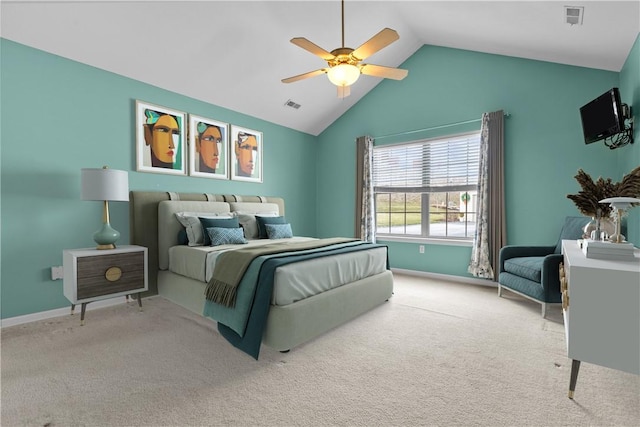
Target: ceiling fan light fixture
x=343, y=74
x=345, y=64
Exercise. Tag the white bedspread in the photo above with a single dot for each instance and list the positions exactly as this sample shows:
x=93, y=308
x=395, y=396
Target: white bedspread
x=292, y=282
x=300, y=280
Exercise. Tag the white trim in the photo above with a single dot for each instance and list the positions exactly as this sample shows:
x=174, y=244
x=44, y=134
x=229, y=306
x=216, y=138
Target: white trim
x=447, y=277
x=425, y=240
x=65, y=311
x=33, y=317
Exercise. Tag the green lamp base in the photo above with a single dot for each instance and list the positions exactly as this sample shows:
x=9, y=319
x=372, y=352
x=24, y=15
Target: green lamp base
x=106, y=237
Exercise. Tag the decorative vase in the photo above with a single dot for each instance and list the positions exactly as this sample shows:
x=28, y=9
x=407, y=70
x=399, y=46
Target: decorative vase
x=607, y=228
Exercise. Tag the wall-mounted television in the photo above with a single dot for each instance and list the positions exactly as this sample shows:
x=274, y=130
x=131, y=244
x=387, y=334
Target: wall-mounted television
x=602, y=117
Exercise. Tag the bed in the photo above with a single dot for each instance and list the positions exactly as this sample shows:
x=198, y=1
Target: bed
x=290, y=320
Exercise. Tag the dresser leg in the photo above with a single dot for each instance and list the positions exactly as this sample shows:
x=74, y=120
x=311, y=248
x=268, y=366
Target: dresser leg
x=575, y=367
x=82, y=311
x=73, y=307
x=140, y=301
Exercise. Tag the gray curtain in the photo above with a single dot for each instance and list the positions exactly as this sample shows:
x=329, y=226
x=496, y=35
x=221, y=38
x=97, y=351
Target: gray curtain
x=365, y=227
x=491, y=231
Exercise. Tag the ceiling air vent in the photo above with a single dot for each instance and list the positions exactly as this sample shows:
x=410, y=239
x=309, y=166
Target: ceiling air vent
x=292, y=104
x=573, y=15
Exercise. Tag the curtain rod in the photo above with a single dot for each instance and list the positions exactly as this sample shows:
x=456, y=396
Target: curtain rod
x=433, y=128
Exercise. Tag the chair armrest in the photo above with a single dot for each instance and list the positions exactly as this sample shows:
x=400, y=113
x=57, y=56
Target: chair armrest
x=513, y=251
x=550, y=275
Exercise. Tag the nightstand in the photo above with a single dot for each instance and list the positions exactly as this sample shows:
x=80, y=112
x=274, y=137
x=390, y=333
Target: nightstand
x=91, y=274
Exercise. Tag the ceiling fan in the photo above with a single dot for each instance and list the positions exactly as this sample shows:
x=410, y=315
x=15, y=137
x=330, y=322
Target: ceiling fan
x=344, y=63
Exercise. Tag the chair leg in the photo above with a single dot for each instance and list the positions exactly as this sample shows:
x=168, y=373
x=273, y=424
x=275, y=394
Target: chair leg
x=499, y=290
x=544, y=309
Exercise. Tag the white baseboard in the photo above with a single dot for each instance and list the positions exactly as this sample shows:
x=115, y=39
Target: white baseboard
x=18, y=320
x=447, y=277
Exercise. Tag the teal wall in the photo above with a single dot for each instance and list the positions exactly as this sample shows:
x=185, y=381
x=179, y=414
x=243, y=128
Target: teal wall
x=85, y=116
x=629, y=156
x=58, y=116
x=544, y=146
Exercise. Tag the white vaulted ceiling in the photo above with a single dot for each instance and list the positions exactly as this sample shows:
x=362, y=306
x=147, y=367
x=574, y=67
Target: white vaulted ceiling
x=234, y=53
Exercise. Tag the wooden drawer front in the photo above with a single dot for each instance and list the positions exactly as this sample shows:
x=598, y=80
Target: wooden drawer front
x=92, y=280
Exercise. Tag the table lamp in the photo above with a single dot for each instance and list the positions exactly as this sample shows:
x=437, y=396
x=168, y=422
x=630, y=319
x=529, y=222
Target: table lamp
x=106, y=185
x=619, y=205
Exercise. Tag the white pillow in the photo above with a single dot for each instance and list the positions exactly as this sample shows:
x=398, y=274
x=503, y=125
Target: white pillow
x=249, y=224
x=191, y=223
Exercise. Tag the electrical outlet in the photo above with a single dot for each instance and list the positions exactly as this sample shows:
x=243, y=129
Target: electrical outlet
x=421, y=249
x=57, y=273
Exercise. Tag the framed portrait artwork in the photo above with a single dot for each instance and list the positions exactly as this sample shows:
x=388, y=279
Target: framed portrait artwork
x=246, y=154
x=160, y=139
x=208, y=148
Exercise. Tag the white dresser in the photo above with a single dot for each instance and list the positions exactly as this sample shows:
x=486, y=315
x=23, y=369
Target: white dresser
x=601, y=309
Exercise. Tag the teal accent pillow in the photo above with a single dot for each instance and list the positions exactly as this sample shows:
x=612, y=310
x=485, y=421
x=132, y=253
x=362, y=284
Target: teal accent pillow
x=263, y=220
x=182, y=237
x=225, y=236
x=217, y=222
x=279, y=231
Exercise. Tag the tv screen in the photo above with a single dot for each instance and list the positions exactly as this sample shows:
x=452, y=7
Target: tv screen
x=602, y=117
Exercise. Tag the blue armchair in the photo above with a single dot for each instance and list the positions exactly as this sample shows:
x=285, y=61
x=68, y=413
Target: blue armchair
x=533, y=271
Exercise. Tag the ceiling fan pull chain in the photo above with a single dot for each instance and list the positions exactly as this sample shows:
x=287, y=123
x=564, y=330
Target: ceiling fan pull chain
x=342, y=23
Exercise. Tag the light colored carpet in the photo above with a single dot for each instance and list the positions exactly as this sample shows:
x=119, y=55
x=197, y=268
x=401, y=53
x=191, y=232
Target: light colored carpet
x=436, y=354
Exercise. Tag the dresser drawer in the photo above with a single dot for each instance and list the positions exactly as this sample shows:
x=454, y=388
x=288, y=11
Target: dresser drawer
x=109, y=274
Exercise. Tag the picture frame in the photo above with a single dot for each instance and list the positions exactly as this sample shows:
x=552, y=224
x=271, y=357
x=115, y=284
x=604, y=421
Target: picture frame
x=208, y=148
x=245, y=151
x=160, y=139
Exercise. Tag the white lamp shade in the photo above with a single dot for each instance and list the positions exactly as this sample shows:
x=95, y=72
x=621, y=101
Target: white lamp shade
x=105, y=184
x=343, y=74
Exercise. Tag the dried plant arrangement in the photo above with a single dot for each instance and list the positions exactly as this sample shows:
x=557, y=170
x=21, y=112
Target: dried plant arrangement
x=592, y=192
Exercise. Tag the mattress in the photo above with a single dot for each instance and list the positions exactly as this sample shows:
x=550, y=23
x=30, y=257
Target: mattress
x=292, y=282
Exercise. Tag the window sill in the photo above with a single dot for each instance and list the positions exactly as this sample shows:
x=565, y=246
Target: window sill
x=425, y=240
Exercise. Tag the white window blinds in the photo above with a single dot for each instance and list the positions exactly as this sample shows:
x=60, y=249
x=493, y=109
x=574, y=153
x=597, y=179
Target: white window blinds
x=448, y=164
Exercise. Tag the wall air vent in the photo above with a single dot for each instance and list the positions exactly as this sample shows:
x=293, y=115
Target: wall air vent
x=292, y=104
x=573, y=15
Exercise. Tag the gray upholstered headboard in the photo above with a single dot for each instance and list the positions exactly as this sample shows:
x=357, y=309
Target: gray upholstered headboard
x=143, y=219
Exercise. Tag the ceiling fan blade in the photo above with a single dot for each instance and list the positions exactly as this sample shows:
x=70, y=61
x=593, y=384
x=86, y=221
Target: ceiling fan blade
x=385, y=72
x=312, y=47
x=304, y=76
x=382, y=39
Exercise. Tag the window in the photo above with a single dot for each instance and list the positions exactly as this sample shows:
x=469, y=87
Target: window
x=427, y=188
